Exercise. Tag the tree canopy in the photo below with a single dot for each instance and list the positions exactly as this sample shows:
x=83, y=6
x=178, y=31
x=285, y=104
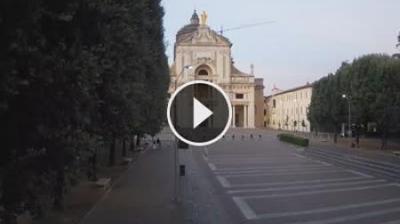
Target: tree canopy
x=72, y=71
x=371, y=83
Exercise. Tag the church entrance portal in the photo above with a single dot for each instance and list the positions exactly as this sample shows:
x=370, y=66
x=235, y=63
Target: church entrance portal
x=239, y=118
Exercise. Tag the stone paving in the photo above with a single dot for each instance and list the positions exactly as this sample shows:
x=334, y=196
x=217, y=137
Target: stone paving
x=251, y=180
x=272, y=182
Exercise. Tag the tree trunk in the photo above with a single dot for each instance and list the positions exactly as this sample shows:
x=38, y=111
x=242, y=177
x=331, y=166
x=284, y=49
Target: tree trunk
x=111, y=158
x=132, y=143
x=335, y=135
x=59, y=189
x=357, y=130
x=137, y=140
x=384, y=140
x=13, y=184
x=124, y=147
x=94, y=166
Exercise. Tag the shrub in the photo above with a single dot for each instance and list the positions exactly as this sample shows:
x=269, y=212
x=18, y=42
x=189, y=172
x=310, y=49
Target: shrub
x=293, y=139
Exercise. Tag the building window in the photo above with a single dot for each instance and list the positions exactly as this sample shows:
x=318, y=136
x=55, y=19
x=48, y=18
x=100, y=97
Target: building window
x=265, y=112
x=274, y=103
x=239, y=96
x=203, y=72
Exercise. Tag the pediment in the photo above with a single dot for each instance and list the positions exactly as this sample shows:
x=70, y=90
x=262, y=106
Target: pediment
x=205, y=36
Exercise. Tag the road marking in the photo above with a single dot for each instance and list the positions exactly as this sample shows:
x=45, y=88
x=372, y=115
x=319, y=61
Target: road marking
x=327, y=209
x=259, y=161
x=297, y=182
x=285, y=173
x=300, y=156
x=392, y=222
x=244, y=208
x=359, y=173
x=313, y=169
x=318, y=191
x=324, y=163
x=223, y=181
x=261, y=157
x=352, y=217
x=212, y=166
x=270, y=167
x=358, y=164
x=359, y=158
x=305, y=187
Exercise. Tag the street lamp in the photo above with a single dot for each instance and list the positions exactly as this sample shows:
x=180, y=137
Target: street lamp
x=184, y=68
x=176, y=162
x=348, y=98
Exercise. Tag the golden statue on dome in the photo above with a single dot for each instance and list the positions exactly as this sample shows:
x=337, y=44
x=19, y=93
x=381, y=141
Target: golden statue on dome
x=204, y=18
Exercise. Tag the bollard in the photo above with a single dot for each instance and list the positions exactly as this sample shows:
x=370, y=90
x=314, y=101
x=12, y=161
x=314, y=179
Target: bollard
x=233, y=136
x=182, y=170
x=251, y=136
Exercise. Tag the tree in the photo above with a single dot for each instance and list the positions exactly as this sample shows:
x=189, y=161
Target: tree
x=74, y=74
x=398, y=40
x=372, y=85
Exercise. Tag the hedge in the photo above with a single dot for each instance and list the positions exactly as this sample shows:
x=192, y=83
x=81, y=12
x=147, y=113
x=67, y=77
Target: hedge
x=293, y=139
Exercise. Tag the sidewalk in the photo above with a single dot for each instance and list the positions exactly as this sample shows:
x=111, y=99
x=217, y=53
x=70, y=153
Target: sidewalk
x=144, y=194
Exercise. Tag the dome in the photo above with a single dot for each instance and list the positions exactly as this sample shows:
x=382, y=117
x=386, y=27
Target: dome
x=195, y=18
x=189, y=28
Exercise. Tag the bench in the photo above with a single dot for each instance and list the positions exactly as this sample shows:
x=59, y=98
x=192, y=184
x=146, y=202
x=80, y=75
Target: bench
x=105, y=183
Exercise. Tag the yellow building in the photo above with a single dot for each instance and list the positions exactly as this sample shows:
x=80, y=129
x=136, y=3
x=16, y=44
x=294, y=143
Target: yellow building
x=287, y=110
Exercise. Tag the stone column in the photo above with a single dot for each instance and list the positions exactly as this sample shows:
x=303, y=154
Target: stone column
x=233, y=116
x=251, y=110
x=246, y=119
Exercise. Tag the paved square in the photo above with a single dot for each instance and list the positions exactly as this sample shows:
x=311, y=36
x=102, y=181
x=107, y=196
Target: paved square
x=273, y=182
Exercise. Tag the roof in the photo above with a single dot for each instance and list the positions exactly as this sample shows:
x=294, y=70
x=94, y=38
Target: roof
x=188, y=30
x=236, y=71
x=308, y=85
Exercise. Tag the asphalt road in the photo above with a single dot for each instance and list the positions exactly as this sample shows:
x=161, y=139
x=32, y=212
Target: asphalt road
x=261, y=180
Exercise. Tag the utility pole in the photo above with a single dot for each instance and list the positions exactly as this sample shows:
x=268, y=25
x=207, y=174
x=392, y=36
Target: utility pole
x=176, y=153
x=348, y=98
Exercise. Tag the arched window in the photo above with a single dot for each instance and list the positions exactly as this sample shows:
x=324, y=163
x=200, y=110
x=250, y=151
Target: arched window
x=203, y=72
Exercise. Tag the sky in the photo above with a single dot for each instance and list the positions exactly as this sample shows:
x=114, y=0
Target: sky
x=308, y=39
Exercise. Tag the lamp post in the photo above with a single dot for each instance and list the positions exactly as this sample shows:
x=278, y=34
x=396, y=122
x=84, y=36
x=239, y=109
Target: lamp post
x=184, y=68
x=348, y=98
x=176, y=156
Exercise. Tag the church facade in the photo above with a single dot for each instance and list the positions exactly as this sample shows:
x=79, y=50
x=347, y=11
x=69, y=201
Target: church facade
x=201, y=53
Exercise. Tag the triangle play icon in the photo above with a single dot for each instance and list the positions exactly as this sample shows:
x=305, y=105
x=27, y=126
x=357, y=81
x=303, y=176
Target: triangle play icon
x=200, y=113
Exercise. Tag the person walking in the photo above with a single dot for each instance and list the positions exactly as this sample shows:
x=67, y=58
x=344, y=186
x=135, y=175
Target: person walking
x=159, y=143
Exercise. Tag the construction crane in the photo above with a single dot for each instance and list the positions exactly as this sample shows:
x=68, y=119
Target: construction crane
x=222, y=30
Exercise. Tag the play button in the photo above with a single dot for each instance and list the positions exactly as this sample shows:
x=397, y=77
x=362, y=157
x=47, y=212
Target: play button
x=199, y=113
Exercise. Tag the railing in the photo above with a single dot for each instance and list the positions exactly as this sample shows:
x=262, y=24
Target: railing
x=242, y=79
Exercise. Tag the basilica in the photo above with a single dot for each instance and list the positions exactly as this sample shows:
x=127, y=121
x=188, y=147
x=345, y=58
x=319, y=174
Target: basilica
x=201, y=53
